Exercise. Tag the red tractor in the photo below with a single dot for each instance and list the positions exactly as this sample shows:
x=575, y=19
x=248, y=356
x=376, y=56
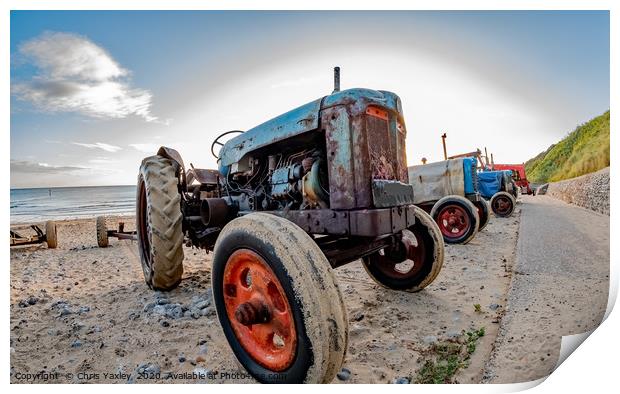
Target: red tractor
x=518, y=174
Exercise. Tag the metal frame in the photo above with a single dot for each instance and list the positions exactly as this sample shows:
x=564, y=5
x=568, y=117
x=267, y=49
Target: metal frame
x=122, y=234
x=18, y=239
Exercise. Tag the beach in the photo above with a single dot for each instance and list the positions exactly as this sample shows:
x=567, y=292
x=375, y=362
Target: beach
x=80, y=313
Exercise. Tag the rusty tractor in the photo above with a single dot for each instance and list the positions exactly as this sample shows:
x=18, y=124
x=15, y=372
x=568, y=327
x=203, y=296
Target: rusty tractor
x=448, y=190
x=318, y=187
x=48, y=237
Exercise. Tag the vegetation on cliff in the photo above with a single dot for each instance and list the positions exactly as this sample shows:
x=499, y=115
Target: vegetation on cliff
x=584, y=150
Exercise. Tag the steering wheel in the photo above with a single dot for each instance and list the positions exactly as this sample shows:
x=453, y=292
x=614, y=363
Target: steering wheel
x=217, y=141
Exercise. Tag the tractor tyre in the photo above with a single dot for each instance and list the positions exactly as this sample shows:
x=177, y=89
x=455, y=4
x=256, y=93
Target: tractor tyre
x=278, y=301
x=51, y=236
x=159, y=223
x=415, y=263
x=503, y=204
x=102, y=232
x=457, y=218
x=484, y=213
x=517, y=191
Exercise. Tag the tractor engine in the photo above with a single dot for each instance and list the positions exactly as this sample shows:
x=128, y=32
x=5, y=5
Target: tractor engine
x=296, y=180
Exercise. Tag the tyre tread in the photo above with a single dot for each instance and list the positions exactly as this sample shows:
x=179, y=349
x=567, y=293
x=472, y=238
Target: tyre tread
x=165, y=221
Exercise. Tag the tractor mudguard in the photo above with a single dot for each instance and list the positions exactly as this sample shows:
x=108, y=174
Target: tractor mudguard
x=173, y=155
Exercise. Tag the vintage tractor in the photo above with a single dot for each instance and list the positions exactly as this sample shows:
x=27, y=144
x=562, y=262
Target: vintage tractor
x=518, y=175
x=449, y=191
x=315, y=188
x=500, y=189
x=497, y=186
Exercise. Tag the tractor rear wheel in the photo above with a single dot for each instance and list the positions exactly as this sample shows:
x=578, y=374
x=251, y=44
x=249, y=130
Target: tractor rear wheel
x=415, y=263
x=278, y=301
x=158, y=223
x=503, y=204
x=102, y=232
x=457, y=218
x=50, y=235
x=483, y=213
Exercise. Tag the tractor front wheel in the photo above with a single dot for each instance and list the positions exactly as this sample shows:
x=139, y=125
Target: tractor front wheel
x=457, y=218
x=158, y=223
x=278, y=302
x=415, y=263
x=503, y=204
x=483, y=213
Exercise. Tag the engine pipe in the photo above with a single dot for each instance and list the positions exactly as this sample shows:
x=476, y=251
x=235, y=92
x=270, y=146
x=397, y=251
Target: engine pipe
x=214, y=212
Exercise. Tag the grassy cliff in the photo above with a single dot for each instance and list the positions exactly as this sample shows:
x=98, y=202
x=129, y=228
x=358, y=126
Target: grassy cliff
x=584, y=150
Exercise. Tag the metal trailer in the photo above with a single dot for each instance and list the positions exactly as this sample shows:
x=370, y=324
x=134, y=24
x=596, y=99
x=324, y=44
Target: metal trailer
x=104, y=235
x=49, y=236
x=318, y=187
x=448, y=190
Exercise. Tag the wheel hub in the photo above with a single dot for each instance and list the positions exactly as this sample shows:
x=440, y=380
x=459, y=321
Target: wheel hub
x=254, y=311
x=405, y=264
x=259, y=311
x=453, y=221
x=502, y=205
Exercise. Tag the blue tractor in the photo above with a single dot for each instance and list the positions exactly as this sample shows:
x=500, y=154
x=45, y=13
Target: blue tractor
x=448, y=190
x=500, y=189
x=318, y=187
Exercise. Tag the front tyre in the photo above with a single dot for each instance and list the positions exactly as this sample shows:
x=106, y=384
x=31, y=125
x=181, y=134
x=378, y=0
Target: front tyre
x=278, y=302
x=457, y=218
x=503, y=204
x=415, y=262
x=158, y=223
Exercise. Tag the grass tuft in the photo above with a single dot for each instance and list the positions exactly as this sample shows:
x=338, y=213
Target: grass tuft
x=448, y=357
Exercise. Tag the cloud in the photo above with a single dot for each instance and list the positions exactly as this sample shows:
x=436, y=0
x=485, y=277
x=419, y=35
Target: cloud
x=99, y=145
x=102, y=160
x=29, y=167
x=77, y=75
x=146, y=147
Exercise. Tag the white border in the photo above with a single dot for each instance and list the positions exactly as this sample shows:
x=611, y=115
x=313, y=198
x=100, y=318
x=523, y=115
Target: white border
x=592, y=367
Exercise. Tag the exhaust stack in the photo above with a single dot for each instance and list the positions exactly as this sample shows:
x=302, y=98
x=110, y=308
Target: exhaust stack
x=443, y=142
x=336, y=80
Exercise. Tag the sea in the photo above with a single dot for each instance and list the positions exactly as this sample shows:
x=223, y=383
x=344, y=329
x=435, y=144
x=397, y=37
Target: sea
x=56, y=203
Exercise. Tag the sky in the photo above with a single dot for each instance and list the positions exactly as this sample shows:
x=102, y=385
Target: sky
x=93, y=93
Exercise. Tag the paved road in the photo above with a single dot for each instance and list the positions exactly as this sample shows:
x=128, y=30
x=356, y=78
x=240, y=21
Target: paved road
x=559, y=287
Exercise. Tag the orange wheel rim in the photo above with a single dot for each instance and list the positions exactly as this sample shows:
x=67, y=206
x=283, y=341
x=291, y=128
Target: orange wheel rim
x=259, y=311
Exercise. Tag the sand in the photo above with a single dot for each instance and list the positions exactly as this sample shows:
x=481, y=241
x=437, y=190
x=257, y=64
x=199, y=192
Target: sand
x=80, y=313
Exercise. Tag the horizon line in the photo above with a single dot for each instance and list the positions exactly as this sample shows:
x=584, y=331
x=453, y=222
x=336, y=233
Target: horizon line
x=65, y=187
